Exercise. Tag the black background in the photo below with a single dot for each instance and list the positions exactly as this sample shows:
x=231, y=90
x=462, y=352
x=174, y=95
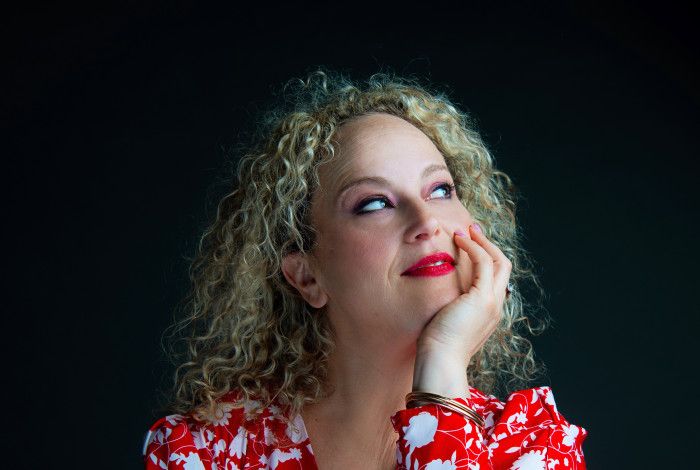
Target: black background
x=118, y=122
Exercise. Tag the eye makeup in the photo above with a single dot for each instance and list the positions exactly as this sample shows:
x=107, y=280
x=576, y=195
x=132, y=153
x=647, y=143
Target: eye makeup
x=385, y=202
x=358, y=210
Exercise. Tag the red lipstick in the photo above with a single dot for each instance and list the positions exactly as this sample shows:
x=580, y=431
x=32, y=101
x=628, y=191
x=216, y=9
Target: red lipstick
x=445, y=265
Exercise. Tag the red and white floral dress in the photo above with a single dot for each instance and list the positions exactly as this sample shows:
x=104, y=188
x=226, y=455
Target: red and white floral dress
x=525, y=432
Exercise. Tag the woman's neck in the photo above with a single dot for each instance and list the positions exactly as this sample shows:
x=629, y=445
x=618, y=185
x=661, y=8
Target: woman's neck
x=370, y=378
x=368, y=383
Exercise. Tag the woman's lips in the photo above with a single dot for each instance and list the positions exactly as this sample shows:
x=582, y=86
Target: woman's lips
x=437, y=264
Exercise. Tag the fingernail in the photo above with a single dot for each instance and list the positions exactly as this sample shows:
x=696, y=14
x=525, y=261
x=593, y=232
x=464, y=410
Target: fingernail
x=459, y=233
x=476, y=227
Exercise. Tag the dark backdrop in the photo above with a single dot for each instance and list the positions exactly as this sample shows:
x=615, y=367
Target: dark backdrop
x=119, y=119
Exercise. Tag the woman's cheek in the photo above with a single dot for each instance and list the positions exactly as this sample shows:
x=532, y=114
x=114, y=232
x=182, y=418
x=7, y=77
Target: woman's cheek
x=363, y=251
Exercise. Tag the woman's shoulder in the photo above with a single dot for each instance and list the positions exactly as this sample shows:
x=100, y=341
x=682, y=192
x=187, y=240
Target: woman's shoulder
x=185, y=439
x=222, y=438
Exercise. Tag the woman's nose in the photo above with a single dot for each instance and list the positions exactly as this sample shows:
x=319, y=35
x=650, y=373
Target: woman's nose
x=423, y=225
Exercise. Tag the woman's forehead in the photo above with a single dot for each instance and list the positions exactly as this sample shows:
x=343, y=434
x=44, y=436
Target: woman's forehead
x=370, y=129
x=377, y=142
x=377, y=148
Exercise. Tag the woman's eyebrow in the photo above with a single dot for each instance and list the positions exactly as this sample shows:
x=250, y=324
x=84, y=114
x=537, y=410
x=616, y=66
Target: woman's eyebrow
x=430, y=169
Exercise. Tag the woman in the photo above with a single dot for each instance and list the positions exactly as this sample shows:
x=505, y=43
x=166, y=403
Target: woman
x=353, y=302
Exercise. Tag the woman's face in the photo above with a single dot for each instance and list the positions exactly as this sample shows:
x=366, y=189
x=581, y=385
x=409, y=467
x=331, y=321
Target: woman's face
x=383, y=204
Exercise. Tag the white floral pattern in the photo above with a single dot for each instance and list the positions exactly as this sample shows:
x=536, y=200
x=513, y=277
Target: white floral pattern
x=570, y=434
x=533, y=460
x=526, y=432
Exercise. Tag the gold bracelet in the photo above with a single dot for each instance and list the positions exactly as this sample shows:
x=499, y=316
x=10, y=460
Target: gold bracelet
x=414, y=399
x=466, y=412
x=449, y=404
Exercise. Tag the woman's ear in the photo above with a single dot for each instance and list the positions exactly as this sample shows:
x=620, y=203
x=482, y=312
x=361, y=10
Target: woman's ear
x=298, y=272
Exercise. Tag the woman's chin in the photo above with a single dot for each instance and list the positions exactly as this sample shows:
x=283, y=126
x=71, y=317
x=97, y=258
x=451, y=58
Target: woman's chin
x=438, y=296
x=427, y=306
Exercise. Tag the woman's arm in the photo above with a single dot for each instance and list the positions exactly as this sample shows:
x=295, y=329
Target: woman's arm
x=525, y=432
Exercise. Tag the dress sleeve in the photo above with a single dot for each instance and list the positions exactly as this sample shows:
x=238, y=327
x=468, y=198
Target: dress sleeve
x=171, y=444
x=525, y=432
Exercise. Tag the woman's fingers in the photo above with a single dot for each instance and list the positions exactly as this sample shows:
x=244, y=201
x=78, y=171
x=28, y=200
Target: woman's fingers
x=502, y=265
x=492, y=267
x=482, y=276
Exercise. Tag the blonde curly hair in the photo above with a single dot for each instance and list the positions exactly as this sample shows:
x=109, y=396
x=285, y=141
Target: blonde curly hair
x=245, y=329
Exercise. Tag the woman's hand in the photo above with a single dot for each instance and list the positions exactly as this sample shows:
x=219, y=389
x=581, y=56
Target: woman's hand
x=462, y=327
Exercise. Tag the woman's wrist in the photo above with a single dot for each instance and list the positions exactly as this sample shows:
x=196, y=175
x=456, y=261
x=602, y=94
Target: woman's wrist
x=440, y=374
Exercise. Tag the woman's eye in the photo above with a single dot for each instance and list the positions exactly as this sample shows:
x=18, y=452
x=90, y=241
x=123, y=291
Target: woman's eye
x=446, y=189
x=372, y=205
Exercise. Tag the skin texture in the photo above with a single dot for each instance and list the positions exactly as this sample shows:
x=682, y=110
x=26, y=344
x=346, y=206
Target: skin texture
x=394, y=333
